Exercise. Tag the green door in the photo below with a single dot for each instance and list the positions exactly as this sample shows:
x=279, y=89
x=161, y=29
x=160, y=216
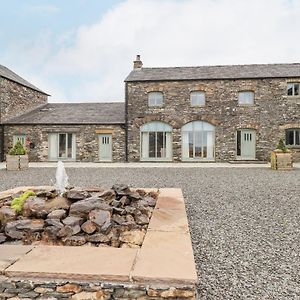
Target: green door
x=246, y=144
x=105, y=147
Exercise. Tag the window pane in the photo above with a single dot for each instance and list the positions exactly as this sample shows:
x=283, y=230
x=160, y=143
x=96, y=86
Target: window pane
x=62, y=145
x=198, y=144
x=160, y=151
x=69, y=150
x=290, y=89
x=191, y=144
x=296, y=89
x=297, y=137
x=289, y=137
x=155, y=99
x=246, y=98
x=238, y=143
x=197, y=98
x=151, y=144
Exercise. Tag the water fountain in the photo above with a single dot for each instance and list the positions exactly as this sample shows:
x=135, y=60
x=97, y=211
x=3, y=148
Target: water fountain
x=61, y=178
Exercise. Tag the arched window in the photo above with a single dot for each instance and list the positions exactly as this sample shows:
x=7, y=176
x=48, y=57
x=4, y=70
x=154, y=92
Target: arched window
x=156, y=141
x=198, y=141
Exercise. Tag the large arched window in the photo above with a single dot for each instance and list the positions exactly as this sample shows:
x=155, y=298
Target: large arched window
x=198, y=141
x=156, y=141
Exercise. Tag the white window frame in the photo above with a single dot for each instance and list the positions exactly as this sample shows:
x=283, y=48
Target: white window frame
x=193, y=128
x=295, y=132
x=197, y=98
x=244, y=97
x=21, y=138
x=155, y=127
x=292, y=86
x=53, y=141
x=155, y=99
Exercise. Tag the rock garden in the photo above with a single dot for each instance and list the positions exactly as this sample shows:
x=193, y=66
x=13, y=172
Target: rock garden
x=100, y=217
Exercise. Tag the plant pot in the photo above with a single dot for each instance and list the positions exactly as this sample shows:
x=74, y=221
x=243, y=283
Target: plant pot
x=281, y=160
x=16, y=162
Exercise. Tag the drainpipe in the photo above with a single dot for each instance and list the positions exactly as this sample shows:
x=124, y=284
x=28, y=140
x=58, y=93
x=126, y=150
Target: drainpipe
x=2, y=143
x=126, y=122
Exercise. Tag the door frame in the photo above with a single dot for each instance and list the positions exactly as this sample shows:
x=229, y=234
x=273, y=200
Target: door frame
x=100, y=135
x=241, y=157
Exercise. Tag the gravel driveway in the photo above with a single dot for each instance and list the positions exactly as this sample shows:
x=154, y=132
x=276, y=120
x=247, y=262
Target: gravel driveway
x=245, y=223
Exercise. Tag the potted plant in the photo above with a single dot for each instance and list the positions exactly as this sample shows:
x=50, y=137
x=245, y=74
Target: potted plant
x=281, y=157
x=17, y=159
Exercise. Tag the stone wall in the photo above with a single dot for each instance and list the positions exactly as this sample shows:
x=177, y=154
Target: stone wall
x=86, y=140
x=272, y=113
x=57, y=289
x=16, y=99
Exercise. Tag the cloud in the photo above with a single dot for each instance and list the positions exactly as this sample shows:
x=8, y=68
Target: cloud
x=169, y=33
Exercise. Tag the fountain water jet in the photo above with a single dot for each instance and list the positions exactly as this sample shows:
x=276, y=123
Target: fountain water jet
x=61, y=178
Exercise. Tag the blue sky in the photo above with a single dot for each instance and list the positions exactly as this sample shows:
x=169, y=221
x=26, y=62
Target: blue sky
x=82, y=50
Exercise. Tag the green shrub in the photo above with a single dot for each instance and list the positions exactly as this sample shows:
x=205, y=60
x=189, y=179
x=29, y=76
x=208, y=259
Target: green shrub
x=281, y=146
x=18, y=203
x=18, y=149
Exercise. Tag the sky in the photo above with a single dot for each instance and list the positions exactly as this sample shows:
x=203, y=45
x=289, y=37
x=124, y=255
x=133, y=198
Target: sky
x=82, y=50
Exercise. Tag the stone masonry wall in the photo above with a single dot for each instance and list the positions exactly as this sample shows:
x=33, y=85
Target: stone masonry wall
x=16, y=99
x=58, y=289
x=271, y=114
x=87, y=143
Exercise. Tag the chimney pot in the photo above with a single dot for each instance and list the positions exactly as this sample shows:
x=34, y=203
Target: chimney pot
x=137, y=64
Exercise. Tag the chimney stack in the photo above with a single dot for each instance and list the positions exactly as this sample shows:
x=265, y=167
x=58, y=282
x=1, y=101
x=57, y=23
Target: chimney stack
x=137, y=64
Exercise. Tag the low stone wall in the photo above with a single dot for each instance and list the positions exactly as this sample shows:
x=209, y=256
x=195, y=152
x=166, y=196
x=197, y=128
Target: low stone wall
x=36, y=289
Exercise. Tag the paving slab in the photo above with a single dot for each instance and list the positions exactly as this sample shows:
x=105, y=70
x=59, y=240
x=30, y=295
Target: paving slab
x=171, y=192
x=165, y=257
x=171, y=203
x=169, y=220
x=9, y=254
x=81, y=263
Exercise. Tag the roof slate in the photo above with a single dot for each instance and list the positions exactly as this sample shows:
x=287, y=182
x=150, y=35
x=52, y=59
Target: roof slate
x=216, y=72
x=8, y=74
x=74, y=113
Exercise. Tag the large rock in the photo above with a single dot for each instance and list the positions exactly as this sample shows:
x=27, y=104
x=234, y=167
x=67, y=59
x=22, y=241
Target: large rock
x=54, y=222
x=7, y=214
x=57, y=203
x=121, y=189
x=83, y=207
x=72, y=221
x=98, y=238
x=35, y=207
x=36, y=225
x=47, y=193
x=68, y=230
x=135, y=237
x=108, y=195
x=2, y=238
x=99, y=217
x=89, y=227
x=125, y=201
x=118, y=219
x=141, y=219
x=77, y=194
x=57, y=214
x=148, y=201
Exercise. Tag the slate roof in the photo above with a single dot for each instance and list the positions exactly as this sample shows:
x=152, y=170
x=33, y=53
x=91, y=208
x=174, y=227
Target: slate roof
x=8, y=74
x=74, y=114
x=216, y=72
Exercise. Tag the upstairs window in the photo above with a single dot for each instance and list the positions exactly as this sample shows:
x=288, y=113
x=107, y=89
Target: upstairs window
x=155, y=99
x=19, y=138
x=293, y=89
x=197, y=98
x=292, y=137
x=246, y=98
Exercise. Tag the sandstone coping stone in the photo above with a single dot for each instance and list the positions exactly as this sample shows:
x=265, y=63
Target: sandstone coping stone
x=9, y=254
x=84, y=263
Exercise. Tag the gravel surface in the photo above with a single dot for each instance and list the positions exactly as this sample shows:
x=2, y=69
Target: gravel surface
x=245, y=223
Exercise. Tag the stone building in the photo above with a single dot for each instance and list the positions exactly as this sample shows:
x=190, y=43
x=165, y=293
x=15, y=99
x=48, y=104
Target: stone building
x=188, y=114
x=212, y=113
x=17, y=96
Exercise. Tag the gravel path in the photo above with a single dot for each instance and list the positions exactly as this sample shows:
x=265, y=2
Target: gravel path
x=245, y=223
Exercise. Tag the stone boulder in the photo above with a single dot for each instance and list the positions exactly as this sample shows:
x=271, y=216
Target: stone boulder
x=72, y=221
x=83, y=207
x=99, y=217
x=57, y=214
x=77, y=194
x=89, y=227
x=7, y=214
x=35, y=207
